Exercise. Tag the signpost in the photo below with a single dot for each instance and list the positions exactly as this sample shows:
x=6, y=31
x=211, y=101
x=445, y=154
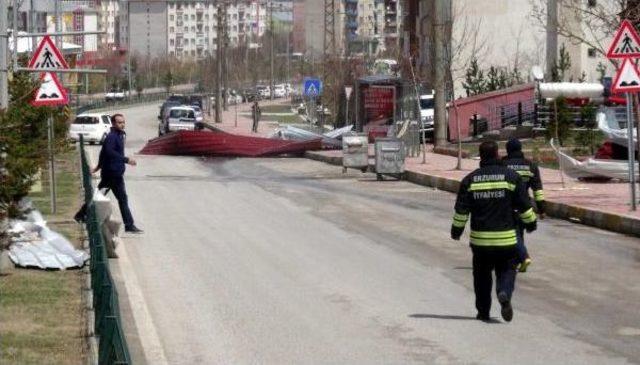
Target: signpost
x=50, y=93
x=347, y=90
x=312, y=88
x=626, y=46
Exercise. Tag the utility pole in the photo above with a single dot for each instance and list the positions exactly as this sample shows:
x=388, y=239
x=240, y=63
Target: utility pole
x=225, y=40
x=15, y=33
x=272, y=36
x=440, y=74
x=129, y=46
x=4, y=76
x=219, y=31
x=552, y=37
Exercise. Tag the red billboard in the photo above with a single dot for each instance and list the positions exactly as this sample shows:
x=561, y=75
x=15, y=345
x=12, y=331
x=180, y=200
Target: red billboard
x=379, y=103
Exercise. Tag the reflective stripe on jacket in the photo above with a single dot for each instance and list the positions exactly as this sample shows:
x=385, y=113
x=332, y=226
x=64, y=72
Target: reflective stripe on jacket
x=488, y=196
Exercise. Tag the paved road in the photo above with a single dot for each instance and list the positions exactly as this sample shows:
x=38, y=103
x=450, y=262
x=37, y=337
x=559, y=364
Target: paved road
x=289, y=261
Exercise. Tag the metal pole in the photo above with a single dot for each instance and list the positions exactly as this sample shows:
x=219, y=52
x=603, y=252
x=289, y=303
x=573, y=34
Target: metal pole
x=52, y=167
x=225, y=72
x=440, y=72
x=4, y=46
x=32, y=27
x=555, y=116
x=270, y=4
x=15, y=33
x=219, y=31
x=129, y=46
x=631, y=150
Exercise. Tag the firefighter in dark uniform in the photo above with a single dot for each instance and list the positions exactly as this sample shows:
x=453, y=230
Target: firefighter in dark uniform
x=530, y=175
x=490, y=195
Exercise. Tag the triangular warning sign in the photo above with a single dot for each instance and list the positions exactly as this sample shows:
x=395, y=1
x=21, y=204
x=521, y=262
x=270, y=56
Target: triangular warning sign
x=47, y=56
x=50, y=92
x=627, y=79
x=626, y=43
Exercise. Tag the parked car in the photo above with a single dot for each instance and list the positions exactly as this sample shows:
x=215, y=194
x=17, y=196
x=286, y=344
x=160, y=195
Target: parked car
x=279, y=91
x=116, y=95
x=178, y=118
x=93, y=127
x=250, y=95
x=426, y=114
x=264, y=91
x=198, y=112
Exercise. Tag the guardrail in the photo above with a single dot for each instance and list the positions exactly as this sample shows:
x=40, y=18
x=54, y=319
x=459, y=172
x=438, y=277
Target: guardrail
x=112, y=345
x=136, y=99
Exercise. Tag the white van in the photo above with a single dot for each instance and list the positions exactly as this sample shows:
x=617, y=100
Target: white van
x=93, y=127
x=179, y=118
x=427, y=112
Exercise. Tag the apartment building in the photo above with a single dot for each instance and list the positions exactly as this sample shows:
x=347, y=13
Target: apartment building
x=188, y=29
x=108, y=21
x=507, y=34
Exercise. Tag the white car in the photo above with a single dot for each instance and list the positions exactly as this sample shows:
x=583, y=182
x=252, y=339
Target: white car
x=116, y=95
x=279, y=91
x=427, y=112
x=179, y=118
x=93, y=127
x=264, y=91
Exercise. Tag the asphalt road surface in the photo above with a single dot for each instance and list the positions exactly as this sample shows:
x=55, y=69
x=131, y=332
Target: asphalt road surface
x=289, y=261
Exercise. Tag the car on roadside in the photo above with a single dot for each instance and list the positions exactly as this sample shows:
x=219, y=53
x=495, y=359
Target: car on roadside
x=178, y=118
x=264, y=91
x=116, y=95
x=279, y=91
x=93, y=127
x=426, y=115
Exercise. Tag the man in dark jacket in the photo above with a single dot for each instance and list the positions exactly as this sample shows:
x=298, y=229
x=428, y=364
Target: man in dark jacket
x=112, y=166
x=530, y=175
x=490, y=195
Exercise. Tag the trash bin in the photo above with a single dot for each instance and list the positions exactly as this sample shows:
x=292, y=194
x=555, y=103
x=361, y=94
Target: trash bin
x=355, y=152
x=389, y=157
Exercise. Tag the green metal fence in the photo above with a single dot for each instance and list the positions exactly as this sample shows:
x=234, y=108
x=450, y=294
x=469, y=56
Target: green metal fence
x=112, y=348
x=102, y=104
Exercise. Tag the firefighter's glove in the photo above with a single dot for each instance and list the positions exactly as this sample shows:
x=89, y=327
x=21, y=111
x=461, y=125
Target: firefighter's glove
x=530, y=227
x=456, y=232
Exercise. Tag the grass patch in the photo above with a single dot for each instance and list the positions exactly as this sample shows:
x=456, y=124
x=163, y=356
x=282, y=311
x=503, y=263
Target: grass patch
x=279, y=108
x=41, y=312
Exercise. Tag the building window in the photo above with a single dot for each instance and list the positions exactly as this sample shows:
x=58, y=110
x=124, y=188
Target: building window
x=171, y=54
x=206, y=28
x=171, y=17
x=206, y=16
x=193, y=17
x=170, y=29
x=193, y=29
x=591, y=52
x=193, y=41
x=171, y=42
x=193, y=53
x=186, y=29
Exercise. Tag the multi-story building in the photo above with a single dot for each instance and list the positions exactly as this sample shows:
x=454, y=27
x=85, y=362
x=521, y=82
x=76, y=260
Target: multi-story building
x=188, y=29
x=108, y=22
x=509, y=34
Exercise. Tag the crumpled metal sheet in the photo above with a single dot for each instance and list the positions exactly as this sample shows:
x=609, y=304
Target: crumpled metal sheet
x=33, y=244
x=298, y=134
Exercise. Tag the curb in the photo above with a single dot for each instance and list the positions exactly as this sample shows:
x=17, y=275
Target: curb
x=576, y=214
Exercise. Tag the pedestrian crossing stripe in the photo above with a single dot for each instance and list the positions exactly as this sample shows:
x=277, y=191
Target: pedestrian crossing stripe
x=627, y=79
x=626, y=43
x=47, y=55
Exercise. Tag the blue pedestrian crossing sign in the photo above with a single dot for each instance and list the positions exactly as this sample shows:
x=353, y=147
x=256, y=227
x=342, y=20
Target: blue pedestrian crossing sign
x=312, y=87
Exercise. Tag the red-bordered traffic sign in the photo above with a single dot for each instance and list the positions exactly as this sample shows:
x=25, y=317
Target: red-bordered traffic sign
x=626, y=43
x=50, y=92
x=627, y=78
x=47, y=56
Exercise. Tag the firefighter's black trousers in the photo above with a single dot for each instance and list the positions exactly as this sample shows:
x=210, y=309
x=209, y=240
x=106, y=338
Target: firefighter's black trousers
x=486, y=260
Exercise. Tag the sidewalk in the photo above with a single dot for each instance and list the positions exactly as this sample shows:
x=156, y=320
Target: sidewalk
x=243, y=124
x=602, y=205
